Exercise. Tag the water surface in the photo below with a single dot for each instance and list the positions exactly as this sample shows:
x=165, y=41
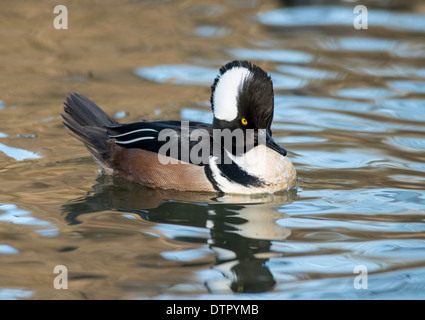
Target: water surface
x=349, y=108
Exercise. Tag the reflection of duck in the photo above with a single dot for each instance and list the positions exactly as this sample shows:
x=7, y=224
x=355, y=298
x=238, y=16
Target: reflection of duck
x=243, y=245
x=241, y=227
x=234, y=154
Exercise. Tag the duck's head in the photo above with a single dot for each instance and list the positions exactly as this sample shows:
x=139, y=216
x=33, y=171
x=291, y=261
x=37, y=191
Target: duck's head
x=242, y=98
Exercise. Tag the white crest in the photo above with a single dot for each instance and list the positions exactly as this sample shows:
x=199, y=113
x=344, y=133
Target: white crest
x=225, y=99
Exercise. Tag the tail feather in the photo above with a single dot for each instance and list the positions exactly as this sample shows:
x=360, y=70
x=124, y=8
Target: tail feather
x=87, y=122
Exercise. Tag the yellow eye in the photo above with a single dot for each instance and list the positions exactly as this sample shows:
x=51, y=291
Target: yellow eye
x=244, y=121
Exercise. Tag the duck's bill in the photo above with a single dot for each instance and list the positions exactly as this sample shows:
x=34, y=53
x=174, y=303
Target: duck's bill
x=270, y=143
x=264, y=137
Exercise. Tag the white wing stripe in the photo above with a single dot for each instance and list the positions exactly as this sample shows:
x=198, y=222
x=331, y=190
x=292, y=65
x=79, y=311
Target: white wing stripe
x=134, y=131
x=134, y=140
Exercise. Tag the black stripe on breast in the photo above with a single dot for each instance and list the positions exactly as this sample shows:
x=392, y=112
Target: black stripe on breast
x=234, y=173
x=211, y=179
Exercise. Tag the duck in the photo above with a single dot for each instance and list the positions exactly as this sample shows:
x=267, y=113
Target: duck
x=235, y=154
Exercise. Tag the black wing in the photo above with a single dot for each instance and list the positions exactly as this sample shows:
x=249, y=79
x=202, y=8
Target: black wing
x=154, y=135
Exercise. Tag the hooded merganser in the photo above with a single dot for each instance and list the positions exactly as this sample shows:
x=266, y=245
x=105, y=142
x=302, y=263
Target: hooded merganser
x=242, y=101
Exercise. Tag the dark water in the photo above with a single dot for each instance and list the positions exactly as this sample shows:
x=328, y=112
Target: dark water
x=350, y=109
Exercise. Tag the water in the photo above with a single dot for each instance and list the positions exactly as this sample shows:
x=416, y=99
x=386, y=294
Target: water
x=350, y=109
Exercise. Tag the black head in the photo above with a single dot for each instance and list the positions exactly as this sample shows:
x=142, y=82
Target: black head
x=242, y=97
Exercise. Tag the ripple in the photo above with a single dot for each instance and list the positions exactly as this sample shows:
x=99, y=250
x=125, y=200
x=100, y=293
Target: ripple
x=187, y=255
x=281, y=81
x=178, y=74
x=322, y=264
x=18, y=154
x=410, y=178
x=413, y=144
x=192, y=75
x=366, y=93
x=120, y=114
x=368, y=202
x=373, y=248
x=339, y=159
x=288, y=111
x=196, y=115
x=12, y=294
x=275, y=55
x=308, y=73
x=294, y=127
x=397, y=48
x=6, y=249
x=408, y=86
x=13, y=214
x=365, y=68
x=299, y=139
x=212, y=31
x=317, y=15
x=356, y=225
x=285, y=101
x=177, y=231
x=412, y=109
x=358, y=44
x=318, y=111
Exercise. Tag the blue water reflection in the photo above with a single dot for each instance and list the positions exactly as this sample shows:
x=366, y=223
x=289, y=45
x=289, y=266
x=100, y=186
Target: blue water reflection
x=17, y=153
x=205, y=116
x=13, y=214
x=349, y=108
x=178, y=74
x=275, y=55
x=412, y=144
x=10, y=213
x=212, y=31
x=191, y=75
x=308, y=73
x=412, y=109
x=364, y=202
x=408, y=86
x=341, y=16
x=366, y=93
x=6, y=249
x=14, y=294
